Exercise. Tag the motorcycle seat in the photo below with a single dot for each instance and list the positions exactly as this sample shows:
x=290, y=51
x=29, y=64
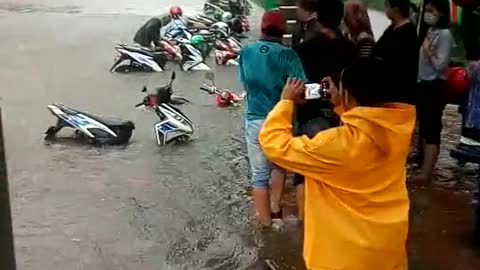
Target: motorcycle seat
x=139, y=50
x=106, y=121
x=111, y=122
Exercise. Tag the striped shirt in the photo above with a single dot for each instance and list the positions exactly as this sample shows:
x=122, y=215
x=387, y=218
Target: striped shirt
x=364, y=46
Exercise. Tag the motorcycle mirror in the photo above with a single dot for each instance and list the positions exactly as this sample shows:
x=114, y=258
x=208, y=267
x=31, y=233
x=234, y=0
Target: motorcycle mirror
x=210, y=76
x=144, y=89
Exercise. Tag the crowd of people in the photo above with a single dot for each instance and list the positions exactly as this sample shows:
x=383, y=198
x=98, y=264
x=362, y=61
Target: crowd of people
x=348, y=152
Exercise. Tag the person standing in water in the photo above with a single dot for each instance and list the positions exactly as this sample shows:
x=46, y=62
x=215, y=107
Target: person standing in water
x=470, y=30
x=264, y=67
x=434, y=59
x=398, y=47
x=323, y=52
x=356, y=200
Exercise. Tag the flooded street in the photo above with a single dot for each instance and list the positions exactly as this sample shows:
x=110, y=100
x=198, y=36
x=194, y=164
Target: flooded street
x=139, y=207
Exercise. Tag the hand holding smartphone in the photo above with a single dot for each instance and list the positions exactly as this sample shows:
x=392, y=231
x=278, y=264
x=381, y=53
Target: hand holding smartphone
x=317, y=91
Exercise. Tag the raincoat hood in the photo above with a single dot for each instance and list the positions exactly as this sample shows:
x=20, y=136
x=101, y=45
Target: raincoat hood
x=383, y=125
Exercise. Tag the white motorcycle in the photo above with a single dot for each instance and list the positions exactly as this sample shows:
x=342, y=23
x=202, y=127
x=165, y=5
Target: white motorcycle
x=90, y=128
x=173, y=126
x=137, y=59
x=192, y=58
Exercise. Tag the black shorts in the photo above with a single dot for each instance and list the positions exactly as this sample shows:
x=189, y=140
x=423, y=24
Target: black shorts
x=310, y=128
x=430, y=106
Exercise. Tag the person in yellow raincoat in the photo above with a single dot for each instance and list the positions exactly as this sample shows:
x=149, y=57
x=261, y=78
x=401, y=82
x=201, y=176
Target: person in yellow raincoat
x=356, y=201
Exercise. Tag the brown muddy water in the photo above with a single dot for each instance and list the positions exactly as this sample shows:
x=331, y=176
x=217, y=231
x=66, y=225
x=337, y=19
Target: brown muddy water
x=144, y=207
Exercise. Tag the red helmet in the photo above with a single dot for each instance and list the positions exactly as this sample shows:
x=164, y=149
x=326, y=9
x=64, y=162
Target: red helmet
x=176, y=11
x=458, y=84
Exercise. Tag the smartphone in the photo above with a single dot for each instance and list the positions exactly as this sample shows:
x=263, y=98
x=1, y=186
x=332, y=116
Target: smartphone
x=316, y=91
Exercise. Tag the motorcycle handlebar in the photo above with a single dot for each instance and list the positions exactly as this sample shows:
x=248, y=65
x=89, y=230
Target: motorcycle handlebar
x=208, y=89
x=139, y=104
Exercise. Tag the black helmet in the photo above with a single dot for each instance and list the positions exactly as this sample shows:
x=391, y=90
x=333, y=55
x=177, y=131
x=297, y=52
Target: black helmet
x=236, y=25
x=221, y=30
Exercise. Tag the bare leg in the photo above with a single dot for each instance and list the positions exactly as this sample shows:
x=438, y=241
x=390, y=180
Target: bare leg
x=430, y=156
x=261, y=203
x=278, y=185
x=301, y=201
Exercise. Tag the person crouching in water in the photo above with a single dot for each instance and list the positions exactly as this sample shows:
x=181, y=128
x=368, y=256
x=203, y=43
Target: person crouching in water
x=356, y=200
x=434, y=59
x=264, y=67
x=149, y=35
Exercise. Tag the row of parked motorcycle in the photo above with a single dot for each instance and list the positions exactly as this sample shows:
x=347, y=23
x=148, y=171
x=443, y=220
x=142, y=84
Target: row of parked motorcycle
x=189, y=47
x=173, y=125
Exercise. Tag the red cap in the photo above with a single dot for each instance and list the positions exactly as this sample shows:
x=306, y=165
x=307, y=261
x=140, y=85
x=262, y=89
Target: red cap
x=274, y=18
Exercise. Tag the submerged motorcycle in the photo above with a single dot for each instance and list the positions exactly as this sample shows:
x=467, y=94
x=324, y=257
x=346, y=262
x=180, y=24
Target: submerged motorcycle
x=238, y=11
x=227, y=51
x=136, y=59
x=179, y=33
x=93, y=129
x=223, y=97
x=173, y=126
x=172, y=50
x=205, y=19
x=193, y=59
x=227, y=47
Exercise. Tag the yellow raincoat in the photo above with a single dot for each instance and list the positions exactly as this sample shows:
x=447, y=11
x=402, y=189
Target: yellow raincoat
x=356, y=201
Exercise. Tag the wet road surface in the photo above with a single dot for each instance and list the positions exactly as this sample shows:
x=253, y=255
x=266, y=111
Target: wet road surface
x=142, y=206
x=139, y=207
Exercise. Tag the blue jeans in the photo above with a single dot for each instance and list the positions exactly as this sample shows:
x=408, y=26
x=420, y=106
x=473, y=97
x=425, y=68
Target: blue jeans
x=260, y=167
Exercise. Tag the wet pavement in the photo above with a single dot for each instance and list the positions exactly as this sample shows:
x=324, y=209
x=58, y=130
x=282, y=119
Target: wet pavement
x=145, y=207
x=139, y=207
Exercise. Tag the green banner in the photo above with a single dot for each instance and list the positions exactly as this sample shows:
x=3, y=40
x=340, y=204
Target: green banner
x=266, y=4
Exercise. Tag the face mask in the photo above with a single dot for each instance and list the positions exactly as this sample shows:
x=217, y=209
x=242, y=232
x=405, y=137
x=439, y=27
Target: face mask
x=311, y=18
x=430, y=18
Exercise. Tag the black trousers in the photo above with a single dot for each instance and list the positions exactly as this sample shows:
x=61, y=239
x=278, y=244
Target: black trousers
x=430, y=106
x=470, y=33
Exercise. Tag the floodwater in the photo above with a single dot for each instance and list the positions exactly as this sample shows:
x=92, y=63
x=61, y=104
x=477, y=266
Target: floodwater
x=139, y=207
